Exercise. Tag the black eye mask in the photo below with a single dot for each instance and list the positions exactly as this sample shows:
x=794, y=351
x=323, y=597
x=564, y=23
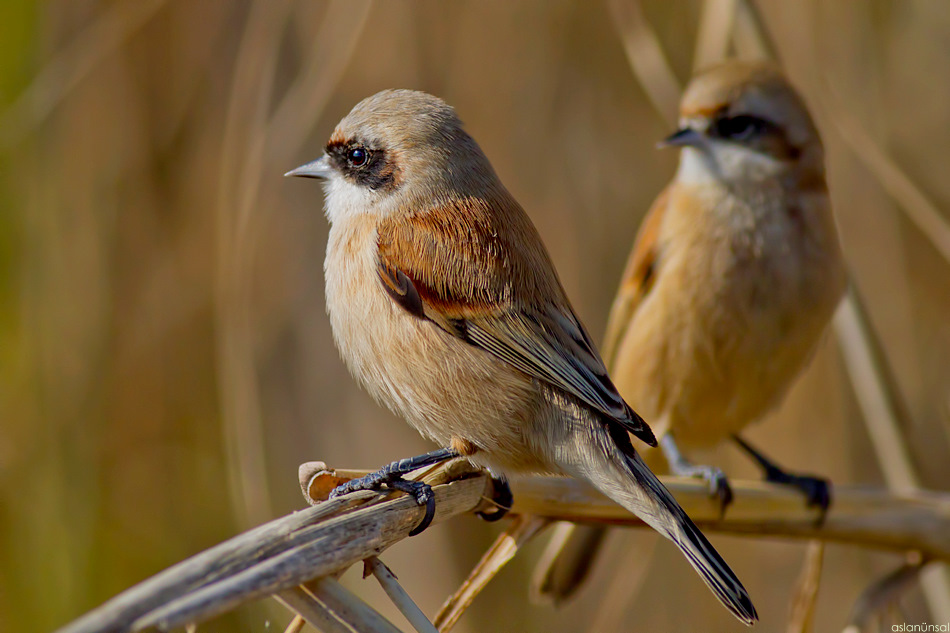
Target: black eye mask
x=363, y=164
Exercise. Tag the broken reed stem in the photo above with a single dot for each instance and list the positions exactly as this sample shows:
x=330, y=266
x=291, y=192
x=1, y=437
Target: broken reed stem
x=296, y=625
x=410, y=610
x=801, y=617
x=882, y=594
x=331, y=536
x=310, y=609
x=521, y=530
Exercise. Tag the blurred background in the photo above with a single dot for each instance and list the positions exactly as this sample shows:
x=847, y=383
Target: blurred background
x=165, y=359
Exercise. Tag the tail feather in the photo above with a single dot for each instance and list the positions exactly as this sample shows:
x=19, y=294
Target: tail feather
x=624, y=477
x=715, y=572
x=698, y=551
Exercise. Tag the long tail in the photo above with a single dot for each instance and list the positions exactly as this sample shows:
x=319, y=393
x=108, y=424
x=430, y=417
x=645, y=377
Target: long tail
x=613, y=467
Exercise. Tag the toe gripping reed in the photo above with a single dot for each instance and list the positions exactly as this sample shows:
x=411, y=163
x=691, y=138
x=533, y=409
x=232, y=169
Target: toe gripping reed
x=391, y=476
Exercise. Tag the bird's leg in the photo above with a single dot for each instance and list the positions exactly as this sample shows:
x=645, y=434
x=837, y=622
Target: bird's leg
x=679, y=465
x=391, y=476
x=501, y=491
x=816, y=489
x=502, y=499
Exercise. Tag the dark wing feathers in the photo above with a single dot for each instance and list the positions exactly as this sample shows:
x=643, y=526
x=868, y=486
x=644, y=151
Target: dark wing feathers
x=506, y=299
x=401, y=289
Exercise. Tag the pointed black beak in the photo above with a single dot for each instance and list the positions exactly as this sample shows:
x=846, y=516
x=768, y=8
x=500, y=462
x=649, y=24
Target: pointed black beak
x=319, y=168
x=683, y=137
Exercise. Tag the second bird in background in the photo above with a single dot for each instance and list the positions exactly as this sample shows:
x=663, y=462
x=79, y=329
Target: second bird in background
x=734, y=275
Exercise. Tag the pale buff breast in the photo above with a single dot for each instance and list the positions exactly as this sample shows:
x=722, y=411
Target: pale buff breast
x=442, y=386
x=740, y=303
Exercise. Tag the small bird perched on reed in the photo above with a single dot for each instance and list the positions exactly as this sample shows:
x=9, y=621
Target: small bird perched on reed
x=733, y=276
x=446, y=307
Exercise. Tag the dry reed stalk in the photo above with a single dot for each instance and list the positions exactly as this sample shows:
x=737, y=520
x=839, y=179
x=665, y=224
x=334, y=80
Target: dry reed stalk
x=918, y=208
x=801, y=617
x=631, y=573
x=520, y=532
x=399, y=596
x=296, y=624
x=882, y=594
x=647, y=60
x=326, y=539
x=309, y=609
x=715, y=28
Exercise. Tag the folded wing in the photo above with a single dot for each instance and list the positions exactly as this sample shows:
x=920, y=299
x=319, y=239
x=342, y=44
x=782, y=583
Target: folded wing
x=453, y=267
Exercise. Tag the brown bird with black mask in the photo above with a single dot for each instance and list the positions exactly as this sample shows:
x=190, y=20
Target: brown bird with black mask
x=733, y=277
x=446, y=307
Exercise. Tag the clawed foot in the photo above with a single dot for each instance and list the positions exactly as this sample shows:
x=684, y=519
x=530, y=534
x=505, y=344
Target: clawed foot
x=422, y=492
x=716, y=479
x=502, y=498
x=817, y=490
x=423, y=495
x=391, y=476
x=718, y=484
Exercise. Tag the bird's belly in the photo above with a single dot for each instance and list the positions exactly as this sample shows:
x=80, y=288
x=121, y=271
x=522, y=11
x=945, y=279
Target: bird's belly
x=445, y=388
x=706, y=370
x=735, y=386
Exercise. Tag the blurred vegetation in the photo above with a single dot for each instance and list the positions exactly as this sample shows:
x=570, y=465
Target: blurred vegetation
x=165, y=359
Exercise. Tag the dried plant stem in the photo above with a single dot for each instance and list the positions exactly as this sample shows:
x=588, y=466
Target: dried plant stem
x=296, y=625
x=631, y=572
x=877, y=395
x=335, y=608
x=918, y=207
x=402, y=600
x=566, y=561
x=881, y=594
x=645, y=54
x=885, y=416
x=326, y=539
x=861, y=516
x=715, y=28
x=749, y=35
x=309, y=609
x=802, y=612
x=502, y=550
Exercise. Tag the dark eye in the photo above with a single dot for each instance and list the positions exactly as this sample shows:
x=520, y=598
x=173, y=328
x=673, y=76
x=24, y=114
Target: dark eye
x=357, y=156
x=740, y=128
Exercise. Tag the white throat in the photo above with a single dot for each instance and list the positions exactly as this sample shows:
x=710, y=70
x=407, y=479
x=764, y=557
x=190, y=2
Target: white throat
x=719, y=162
x=345, y=200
